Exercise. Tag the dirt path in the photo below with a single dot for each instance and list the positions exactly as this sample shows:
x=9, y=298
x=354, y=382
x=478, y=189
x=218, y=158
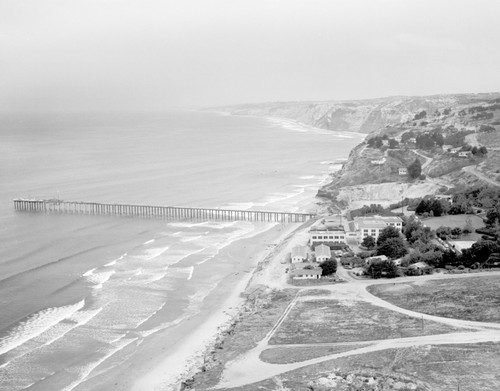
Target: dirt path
x=249, y=368
x=428, y=160
x=472, y=170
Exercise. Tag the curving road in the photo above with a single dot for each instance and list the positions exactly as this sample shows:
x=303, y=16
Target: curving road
x=249, y=368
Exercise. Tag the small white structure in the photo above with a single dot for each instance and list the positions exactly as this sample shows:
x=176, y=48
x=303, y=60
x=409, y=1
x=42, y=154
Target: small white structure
x=322, y=253
x=455, y=150
x=385, y=142
x=378, y=258
x=464, y=154
x=306, y=274
x=299, y=254
x=402, y=171
x=378, y=162
x=447, y=147
x=412, y=140
x=335, y=234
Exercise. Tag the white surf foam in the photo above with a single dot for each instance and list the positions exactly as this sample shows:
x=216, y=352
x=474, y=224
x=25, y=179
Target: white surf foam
x=86, y=370
x=36, y=324
x=98, y=279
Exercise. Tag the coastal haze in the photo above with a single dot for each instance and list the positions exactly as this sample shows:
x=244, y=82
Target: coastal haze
x=160, y=103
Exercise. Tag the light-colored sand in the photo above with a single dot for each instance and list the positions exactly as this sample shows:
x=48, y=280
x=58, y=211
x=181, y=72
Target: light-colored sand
x=172, y=355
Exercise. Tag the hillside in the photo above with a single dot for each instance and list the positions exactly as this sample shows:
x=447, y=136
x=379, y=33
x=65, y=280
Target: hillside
x=444, y=132
x=363, y=116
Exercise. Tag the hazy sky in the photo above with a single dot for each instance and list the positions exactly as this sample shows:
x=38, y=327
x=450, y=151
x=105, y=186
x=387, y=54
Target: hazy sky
x=140, y=54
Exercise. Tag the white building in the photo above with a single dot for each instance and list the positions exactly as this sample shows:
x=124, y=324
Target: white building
x=322, y=253
x=378, y=162
x=464, y=154
x=306, y=274
x=402, y=171
x=335, y=235
x=373, y=225
x=299, y=254
x=371, y=228
x=378, y=258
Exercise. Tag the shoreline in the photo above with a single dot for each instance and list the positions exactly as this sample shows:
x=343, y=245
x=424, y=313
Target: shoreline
x=186, y=348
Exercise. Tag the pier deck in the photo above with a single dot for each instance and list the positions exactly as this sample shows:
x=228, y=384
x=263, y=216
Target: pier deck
x=166, y=212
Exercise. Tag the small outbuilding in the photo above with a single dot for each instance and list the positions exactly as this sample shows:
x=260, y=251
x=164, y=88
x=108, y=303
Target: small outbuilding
x=322, y=253
x=306, y=274
x=299, y=254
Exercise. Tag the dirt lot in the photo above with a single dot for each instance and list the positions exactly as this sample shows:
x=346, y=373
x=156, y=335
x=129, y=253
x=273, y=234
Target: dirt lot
x=476, y=298
x=331, y=321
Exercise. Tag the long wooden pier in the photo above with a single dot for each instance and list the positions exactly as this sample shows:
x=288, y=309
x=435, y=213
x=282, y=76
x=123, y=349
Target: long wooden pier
x=167, y=212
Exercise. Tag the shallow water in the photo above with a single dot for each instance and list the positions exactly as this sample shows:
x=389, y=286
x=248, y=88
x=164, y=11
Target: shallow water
x=78, y=293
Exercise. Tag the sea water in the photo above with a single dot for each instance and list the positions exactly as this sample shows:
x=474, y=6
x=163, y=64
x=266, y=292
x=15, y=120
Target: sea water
x=79, y=293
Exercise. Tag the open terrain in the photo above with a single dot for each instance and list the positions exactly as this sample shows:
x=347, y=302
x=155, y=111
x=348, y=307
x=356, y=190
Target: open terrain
x=350, y=339
x=475, y=298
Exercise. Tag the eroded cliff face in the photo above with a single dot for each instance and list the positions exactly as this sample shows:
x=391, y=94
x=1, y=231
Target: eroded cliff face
x=363, y=116
x=372, y=174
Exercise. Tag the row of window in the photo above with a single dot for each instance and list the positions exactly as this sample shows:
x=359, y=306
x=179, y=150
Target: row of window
x=316, y=237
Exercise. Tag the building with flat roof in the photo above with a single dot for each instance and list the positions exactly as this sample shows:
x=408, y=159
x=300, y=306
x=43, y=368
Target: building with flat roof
x=373, y=225
x=331, y=234
x=306, y=274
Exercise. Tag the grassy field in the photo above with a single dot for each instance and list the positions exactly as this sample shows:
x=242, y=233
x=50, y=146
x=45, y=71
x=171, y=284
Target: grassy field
x=469, y=298
x=453, y=221
x=329, y=321
x=456, y=221
x=426, y=368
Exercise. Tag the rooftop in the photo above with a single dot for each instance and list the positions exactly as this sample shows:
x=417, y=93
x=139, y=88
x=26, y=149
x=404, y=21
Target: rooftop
x=310, y=272
x=299, y=251
x=322, y=250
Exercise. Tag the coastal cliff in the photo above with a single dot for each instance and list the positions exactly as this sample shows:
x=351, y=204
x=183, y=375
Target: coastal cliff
x=364, y=116
x=432, y=129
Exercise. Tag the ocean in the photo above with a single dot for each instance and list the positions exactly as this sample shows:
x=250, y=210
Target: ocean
x=80, y=294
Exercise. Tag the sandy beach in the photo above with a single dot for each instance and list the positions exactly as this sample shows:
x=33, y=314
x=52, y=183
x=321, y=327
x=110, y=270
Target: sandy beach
x=170, y=356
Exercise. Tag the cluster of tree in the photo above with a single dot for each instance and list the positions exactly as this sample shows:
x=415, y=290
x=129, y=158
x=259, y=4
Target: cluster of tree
x=328, y=267
x=415, y=231
x=432, y=206
x=429, y=140
x=420, y=115
x=481, y=151
x=486, y=128
x=378, y=142
x=372, y=209
x=415, y=169
x=445, y=233
x=456, y=139
x=478, y=196
x=390, y=243
x=379, y=269
x=493, y=217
